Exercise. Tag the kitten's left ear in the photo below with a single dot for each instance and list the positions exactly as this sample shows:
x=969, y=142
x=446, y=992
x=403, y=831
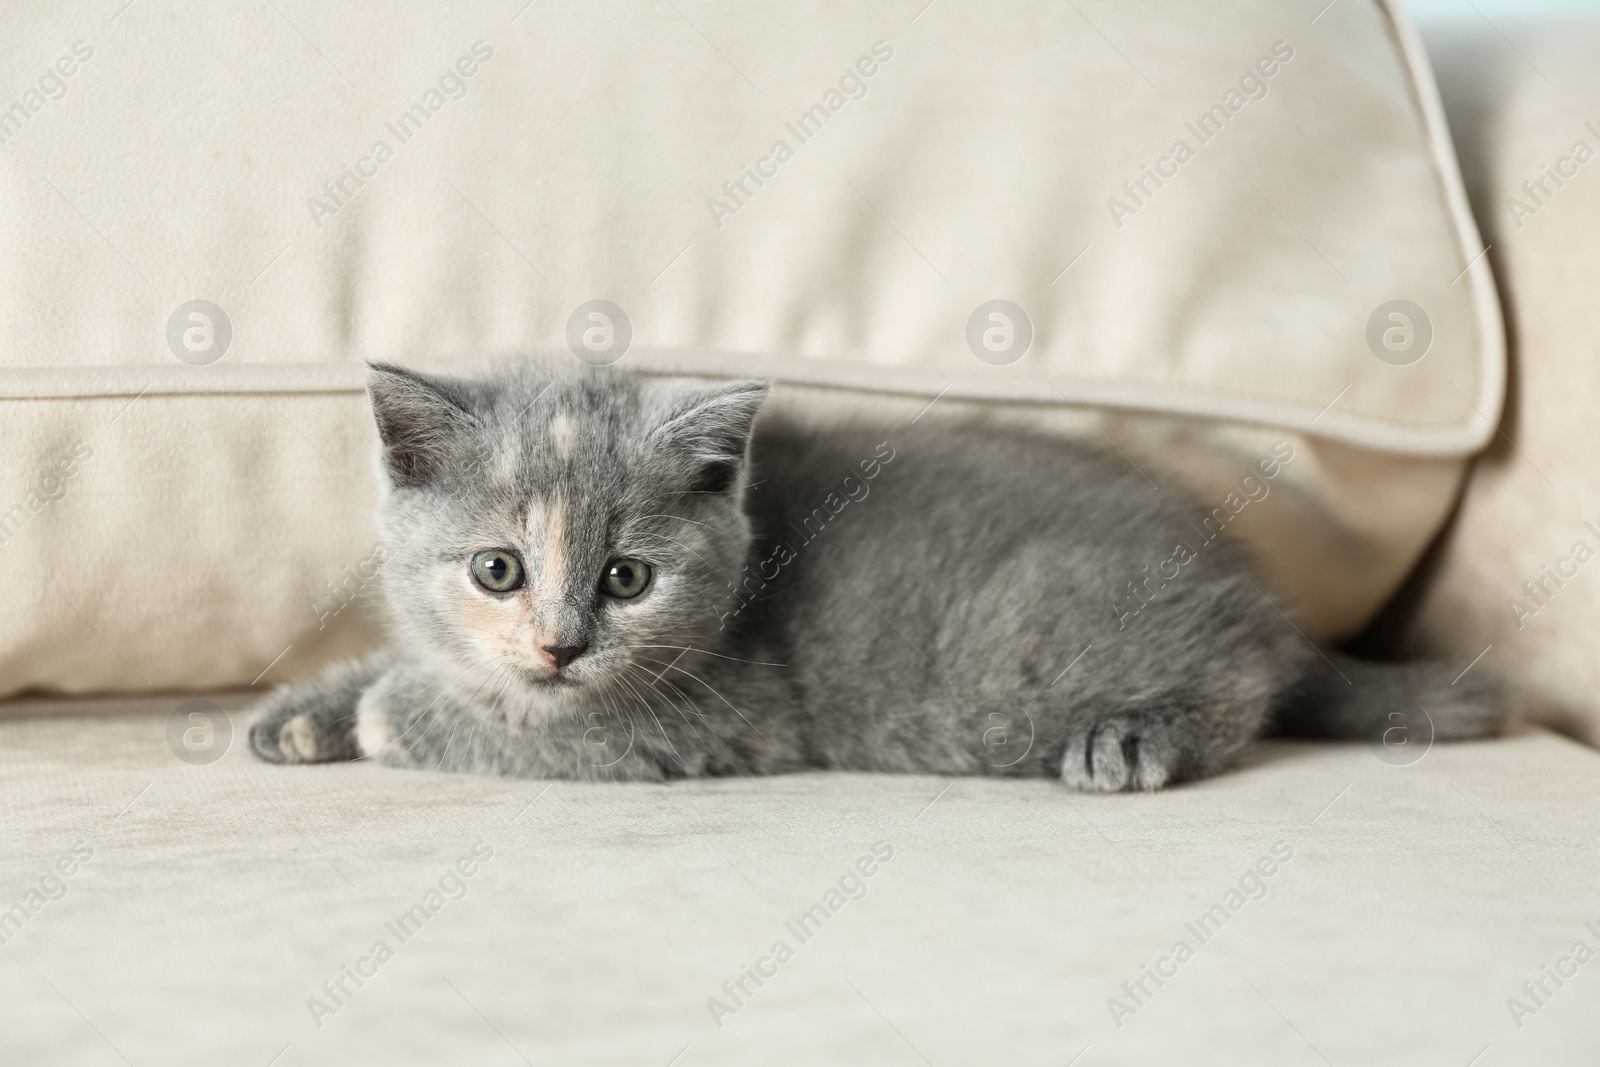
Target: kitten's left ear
x=707, y=431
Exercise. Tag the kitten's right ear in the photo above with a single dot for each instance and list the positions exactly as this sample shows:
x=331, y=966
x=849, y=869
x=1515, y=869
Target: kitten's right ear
x=422, y=422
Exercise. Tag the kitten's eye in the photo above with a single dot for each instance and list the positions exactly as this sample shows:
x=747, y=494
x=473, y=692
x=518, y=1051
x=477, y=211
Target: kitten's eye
x=497, y=570
x=625, y=578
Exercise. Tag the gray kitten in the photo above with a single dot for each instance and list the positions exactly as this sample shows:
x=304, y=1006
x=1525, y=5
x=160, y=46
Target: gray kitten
x=594, y=575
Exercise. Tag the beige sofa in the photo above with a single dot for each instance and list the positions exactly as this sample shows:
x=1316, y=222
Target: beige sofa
x=172, y=901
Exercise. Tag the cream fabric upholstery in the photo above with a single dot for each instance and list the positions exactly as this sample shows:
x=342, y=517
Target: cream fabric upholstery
x=218, y=899
x=534, y=160
x=1510, y=581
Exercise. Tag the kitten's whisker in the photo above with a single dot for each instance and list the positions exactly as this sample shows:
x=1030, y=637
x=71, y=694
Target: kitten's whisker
x=439, y=763
x=432, y=683
x=680, y=518
x=503, y=685
x=644, y=701
x=672, y=694
x=657, y=682
x=631, y=669
x=613, y=712
x=501, y=680
x=493, y=670
x=702, y=736
x=718, y=655
x=697, y=555
x=714, y=693
x=434, y=708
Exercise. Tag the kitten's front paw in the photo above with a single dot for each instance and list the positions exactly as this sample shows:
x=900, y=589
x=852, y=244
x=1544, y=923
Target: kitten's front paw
x=293, y=725
x=1120, y=752
x=280, y=739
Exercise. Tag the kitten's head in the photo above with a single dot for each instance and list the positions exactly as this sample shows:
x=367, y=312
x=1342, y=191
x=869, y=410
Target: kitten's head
x=557, y=529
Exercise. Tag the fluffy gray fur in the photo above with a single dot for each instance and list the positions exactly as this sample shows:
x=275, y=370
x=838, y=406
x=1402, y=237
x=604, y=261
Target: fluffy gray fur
x=887, y=597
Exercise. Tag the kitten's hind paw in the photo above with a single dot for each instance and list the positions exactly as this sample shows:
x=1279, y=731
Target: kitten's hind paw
x=1120, y=752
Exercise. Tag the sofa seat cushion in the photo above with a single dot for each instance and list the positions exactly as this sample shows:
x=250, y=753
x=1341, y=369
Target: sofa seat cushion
x=1332, y=902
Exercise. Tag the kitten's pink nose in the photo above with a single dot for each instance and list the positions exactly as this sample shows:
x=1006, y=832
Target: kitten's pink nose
x=561, y=655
